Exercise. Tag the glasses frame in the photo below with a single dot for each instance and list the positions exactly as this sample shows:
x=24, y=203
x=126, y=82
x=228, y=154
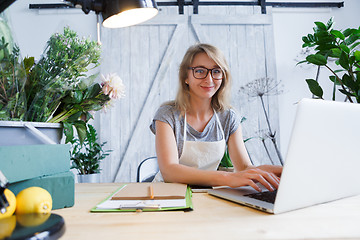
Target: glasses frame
x=207, y=73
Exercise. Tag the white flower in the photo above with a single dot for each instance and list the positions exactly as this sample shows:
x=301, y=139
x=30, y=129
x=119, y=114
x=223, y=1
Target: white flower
x=113, y=86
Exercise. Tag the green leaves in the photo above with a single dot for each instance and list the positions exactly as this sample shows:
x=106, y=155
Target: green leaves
x=68, y=131
x=337, y=34
x=38, y=90
x=342, y=48
x=329, y=23
x=315, y=88
x=12, y=82
x=350, y=82
x=308, y=40
x=226, y=161
x=64, y=63
x=87, y=155
x=317, y=59
x=335, y=53
x=357, y=56
x=56, y=88
x=4, y=51
x=344, y=60
x=321, y=26
x=28, y=64
x=80, y=127
x=81, y=130
x=75, y=110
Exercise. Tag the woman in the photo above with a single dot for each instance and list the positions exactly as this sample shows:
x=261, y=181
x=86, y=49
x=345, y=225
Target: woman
x=192, y=131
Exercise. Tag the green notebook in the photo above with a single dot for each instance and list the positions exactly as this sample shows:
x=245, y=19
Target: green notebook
x=147, y=197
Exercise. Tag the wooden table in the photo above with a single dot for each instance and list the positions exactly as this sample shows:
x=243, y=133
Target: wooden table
x=212, y=218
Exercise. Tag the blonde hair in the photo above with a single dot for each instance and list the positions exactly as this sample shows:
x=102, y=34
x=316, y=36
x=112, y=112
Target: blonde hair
x=221, y=100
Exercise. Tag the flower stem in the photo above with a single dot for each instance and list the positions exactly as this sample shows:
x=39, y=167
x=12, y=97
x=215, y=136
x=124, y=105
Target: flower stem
x=271, y=134
x=62, y=116
x=339, y=79
x=267, y=151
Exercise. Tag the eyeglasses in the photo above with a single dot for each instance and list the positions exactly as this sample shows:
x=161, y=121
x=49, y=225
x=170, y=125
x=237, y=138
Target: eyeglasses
x=202, y=72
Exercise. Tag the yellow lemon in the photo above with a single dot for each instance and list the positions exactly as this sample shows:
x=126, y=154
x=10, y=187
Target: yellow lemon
x=32, y=219
x=12, y=204
x=33, y=200
x=7, y=226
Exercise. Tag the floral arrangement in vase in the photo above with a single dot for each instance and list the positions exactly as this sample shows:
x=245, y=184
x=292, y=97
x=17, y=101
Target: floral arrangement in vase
x=58, y=88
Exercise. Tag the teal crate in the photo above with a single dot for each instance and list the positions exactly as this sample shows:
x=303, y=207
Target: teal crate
x=61, y=186
x=24, y=162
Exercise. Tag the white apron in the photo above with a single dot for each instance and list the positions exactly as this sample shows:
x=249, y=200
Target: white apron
x=201, y=155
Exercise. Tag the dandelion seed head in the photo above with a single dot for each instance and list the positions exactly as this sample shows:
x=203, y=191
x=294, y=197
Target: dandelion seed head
x=262, y=87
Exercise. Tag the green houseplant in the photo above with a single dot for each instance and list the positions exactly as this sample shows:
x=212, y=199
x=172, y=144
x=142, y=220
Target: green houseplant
x=225, y=163
x=342, y=47
x=58, y=88
x=86, y=156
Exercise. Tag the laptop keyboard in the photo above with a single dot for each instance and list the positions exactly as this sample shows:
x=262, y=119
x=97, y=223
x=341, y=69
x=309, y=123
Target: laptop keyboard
x=264, y=196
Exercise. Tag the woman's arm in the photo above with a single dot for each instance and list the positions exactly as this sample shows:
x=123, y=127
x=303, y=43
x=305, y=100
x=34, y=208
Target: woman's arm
x=237, y=151
x=172, y=171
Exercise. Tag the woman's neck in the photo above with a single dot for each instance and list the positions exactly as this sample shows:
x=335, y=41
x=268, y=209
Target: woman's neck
x=199, y=114
x=200, y=107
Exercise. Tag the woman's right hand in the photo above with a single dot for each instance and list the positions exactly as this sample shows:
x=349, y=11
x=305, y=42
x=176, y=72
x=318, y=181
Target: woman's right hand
x=251, y=176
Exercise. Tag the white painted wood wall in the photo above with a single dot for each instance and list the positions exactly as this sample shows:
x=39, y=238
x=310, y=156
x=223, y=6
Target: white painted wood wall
x=147, y=58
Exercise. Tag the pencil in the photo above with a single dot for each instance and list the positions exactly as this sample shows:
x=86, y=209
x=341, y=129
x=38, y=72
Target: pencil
x=151, y=192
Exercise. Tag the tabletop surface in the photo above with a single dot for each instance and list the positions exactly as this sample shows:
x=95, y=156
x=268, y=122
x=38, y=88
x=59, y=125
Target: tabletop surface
x=212, y=218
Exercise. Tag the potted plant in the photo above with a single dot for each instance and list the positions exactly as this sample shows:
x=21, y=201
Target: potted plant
x=225, y=163
x=86, y=156
x=342, y=47
x=57, y=88
x=13, y=75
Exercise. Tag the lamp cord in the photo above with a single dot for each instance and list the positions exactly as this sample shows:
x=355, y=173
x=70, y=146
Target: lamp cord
x=98, y=28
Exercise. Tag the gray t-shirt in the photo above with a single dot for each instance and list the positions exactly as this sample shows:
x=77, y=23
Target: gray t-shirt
x=170, y=114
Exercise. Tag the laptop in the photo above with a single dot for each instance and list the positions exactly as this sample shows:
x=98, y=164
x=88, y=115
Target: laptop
x=322, y=162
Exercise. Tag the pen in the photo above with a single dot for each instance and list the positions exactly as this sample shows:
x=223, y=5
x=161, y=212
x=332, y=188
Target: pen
x=151, y=192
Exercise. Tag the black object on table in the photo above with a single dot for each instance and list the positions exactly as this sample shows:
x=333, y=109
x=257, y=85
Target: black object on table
x=36, y=227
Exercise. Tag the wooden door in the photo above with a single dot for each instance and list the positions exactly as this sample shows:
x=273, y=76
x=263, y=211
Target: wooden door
x=147, y=58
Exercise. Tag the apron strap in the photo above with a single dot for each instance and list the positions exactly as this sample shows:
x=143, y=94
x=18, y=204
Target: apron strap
x=218, y=120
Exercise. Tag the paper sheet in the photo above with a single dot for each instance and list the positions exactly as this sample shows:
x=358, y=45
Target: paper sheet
x=117, y=204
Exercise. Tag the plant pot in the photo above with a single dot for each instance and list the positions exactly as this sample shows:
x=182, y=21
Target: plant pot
x=226, y=169
x=29, y=133
x=89, y=178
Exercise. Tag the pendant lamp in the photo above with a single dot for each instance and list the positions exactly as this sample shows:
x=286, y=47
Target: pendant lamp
x=123, y=13
x=119, y=13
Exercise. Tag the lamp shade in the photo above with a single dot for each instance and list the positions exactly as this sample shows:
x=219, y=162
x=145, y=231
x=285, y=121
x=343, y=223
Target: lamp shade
x=123, y=13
